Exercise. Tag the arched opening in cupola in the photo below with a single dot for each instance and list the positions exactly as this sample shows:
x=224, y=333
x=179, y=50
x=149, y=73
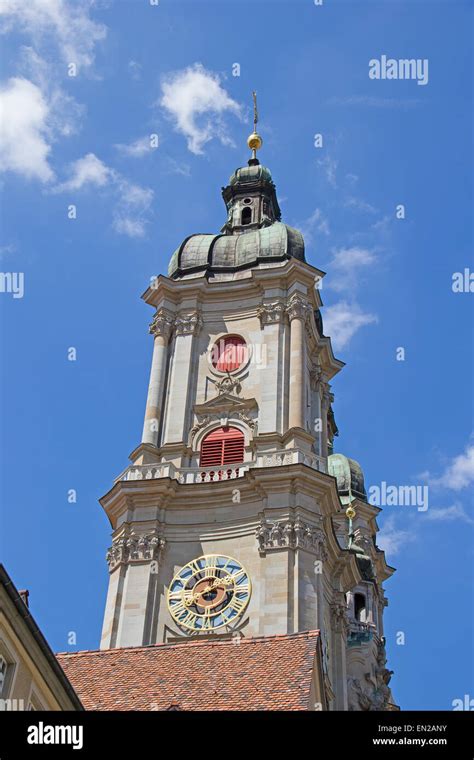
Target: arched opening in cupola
x=246, y=215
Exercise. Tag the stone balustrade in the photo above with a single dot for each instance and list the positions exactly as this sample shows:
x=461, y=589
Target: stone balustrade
x=226, y=472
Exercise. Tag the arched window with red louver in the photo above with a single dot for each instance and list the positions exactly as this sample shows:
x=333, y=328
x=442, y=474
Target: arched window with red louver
x=221, y=447
x=229, y=353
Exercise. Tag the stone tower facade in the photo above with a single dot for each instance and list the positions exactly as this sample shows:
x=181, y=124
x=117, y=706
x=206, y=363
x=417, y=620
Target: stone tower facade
x=230, y=520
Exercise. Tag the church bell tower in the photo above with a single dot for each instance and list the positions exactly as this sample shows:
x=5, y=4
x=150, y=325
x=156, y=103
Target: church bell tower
x=231, y=519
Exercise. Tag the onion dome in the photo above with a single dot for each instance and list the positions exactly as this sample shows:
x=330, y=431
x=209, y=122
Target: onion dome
x=349, y=477
x=224, y=253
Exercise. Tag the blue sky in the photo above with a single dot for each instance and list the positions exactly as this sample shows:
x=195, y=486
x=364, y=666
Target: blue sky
x=84, y=140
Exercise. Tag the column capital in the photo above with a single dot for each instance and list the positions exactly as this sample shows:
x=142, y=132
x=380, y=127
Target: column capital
x=188, y=324
x=135, y=548
x=271, y=313
x=298, y=308
x=162, y=323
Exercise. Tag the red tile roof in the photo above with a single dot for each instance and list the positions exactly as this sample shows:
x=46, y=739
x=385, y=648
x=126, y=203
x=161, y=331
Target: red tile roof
x=265, y=673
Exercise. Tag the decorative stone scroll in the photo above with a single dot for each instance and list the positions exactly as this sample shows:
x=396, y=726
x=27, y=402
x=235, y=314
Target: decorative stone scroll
x=135, y=548
x=291, y=534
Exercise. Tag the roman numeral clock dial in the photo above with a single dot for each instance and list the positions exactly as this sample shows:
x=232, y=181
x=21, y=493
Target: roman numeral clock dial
x=208, y=593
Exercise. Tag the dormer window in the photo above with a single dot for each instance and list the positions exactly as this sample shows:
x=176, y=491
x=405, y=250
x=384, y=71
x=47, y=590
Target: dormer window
x=246, y=215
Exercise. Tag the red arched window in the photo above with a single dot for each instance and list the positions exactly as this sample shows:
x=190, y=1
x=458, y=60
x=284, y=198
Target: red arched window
x=223, y=446
x=229, y=353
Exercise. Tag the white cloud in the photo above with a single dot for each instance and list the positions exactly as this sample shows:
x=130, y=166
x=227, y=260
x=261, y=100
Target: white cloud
x=443, y=514
x=24, y=131
x=137, y=149
x=392, y=539
x=458, y=474
x=359, y=205
x=197, y=102
x=6, y=250
x=135, y=69
x=347, y=265
x=317, y=222
x=342, y=320
x=67, y=24
x=133, y=202
x=174, y=167
x=88, y=170
x=35, y=112
x=131, y=213
x=329, y=166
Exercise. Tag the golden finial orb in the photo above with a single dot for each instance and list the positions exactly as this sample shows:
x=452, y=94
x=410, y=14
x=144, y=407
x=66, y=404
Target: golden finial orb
x=350, y=513
x=254, y=141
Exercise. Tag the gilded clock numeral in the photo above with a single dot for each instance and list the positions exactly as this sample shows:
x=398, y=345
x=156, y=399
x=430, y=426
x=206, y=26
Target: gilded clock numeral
x=190, y=617
x=238, y=604
x=178, y=608
x=211, y=566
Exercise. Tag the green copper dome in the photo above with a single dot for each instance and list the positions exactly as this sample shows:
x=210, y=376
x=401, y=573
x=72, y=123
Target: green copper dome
x=253, y=173
x=349, y=477
x=221, y=253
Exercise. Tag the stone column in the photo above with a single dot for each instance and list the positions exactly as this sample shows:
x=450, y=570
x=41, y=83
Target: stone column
x=326, y=399
x=272, y=316
x=160, y=328
x=297, y=311
x=186, y=327
x=317, y=426
x=339, y=626
x=134, y=562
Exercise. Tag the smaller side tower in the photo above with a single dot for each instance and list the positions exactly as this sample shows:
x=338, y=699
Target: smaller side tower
x=367, y=677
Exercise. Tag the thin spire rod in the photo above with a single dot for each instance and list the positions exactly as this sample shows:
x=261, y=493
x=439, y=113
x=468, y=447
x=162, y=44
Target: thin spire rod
x=254, y=140
x=255, y=111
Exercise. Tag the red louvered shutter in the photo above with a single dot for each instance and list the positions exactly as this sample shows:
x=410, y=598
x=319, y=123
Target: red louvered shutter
x=223, y=446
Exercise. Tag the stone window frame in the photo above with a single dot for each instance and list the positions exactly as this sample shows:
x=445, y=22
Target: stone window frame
x=11, y=663
x=35, y=703
x=230, y=421
x=236, y=373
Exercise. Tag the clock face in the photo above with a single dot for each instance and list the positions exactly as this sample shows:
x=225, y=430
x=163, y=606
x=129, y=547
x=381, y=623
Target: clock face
x=209, y=592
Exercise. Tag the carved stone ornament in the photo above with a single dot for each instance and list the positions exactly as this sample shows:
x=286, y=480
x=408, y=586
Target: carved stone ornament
x=134, y=548
x=298, y=308
x=315, y=376
x=374, y=693
x=291, y=534
x=224, y=419
x=228, y=385
x=188, y=324
x=339, y=617
x=162, y=323
x=271, y=313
